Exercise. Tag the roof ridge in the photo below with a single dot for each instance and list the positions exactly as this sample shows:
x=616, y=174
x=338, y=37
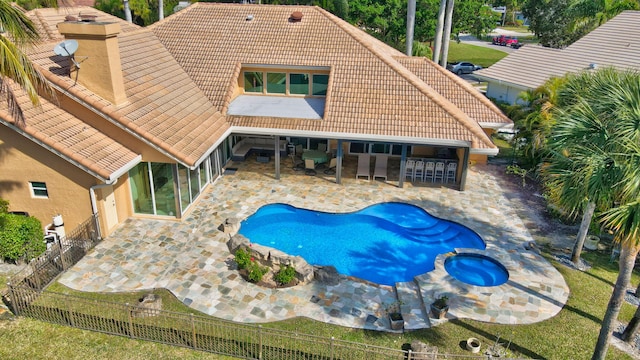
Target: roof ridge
x=465, y=85
x=173, y=16
x=43, y=24
x=231, y=89
x=414, y=80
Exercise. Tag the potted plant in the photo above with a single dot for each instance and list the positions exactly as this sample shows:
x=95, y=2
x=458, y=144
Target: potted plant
x=592, y=240
x=440, y=307
x=396, y=320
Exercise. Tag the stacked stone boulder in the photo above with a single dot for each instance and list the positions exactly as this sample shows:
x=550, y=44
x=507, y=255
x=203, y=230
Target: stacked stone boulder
x=273, y=258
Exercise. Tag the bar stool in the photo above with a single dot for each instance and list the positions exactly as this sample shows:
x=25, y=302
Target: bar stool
x=429, y=170
x=451, y=172
x=438, y=174
x=408, y=171
x=418, y=172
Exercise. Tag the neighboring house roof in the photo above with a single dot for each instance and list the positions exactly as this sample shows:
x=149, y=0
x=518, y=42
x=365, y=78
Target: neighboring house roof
x=615, y=43
x=179, y=75
x=71, y=138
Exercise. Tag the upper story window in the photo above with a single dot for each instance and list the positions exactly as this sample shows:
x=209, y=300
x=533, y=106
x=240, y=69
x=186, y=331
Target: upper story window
x=299, y=82
x=38, y=189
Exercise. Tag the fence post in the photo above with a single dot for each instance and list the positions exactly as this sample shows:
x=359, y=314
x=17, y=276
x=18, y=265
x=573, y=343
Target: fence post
x=193, y=330
x=36, y=276
x=259, y=341
x=331, y=355
x=130, y=320
x=14, y=299
x=409, y=357
x=63, y=259
x=70, y=312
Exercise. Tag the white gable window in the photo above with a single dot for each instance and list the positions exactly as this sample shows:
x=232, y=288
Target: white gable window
x=38, y=189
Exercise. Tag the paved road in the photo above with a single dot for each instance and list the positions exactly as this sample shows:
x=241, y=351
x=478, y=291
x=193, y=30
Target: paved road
x=470, y=39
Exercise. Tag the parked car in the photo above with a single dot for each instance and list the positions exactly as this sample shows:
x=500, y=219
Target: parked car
x=463, y=67
x=504, y=40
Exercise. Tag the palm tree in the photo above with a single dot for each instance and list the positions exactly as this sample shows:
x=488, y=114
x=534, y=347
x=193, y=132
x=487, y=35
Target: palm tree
x=15, y=67
x=595, y=161
x=583, y=170
x=535, y=126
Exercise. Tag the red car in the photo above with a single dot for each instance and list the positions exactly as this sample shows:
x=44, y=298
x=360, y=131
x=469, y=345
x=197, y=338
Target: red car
x=505, y=40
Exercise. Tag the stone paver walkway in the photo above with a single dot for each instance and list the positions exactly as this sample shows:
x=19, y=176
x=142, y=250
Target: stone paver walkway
x=191, y=258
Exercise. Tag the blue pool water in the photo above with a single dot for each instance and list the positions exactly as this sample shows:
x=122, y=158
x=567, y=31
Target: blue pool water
x=476, y=270
x=384, y=243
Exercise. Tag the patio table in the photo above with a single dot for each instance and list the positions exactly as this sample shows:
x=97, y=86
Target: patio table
x=317, y=156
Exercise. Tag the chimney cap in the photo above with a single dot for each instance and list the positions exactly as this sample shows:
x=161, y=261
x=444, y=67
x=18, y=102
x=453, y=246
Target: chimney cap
x=296, y=16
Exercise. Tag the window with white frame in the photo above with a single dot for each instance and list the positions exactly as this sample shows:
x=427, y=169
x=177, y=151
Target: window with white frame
x=287, y=82
x=38, y=189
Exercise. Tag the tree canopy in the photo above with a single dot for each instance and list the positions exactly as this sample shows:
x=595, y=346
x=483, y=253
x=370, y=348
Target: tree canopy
x=559, y=23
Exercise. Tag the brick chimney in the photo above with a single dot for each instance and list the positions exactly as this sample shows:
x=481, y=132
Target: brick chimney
x=99, y=57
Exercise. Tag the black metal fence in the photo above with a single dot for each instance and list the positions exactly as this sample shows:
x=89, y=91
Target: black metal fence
x=26, y=297
x=59, y=257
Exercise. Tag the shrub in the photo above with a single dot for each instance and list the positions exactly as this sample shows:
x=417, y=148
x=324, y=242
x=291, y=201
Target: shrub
x=4, y=206
x=256, y=272
x=285, y=275
x=21, y=238
x=243, y=258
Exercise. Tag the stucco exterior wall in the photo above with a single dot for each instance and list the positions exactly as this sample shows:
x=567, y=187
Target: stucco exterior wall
x=478, y=159
x=22, y=161
x=503, y=92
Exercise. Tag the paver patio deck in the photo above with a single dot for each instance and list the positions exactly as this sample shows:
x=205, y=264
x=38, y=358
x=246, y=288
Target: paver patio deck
x=191, y=258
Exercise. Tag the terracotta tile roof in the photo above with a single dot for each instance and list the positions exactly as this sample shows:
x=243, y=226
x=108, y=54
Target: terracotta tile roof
x=370, y=91
x=78, y=142
x=459, y=92
x=46, y=20
x=615, y=43
x=179, y=72
x=164, y=106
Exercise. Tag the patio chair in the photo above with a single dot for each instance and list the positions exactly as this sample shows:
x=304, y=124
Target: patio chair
x=310, y=167
x=331, y=170
x=408, y=169
x=418, y=172
x=451, y=172
x=297, y=163
x=429, y=170
x=438, y=174
x=380, y=170
x=299, y=150
x=322, y=147
x=364, y=161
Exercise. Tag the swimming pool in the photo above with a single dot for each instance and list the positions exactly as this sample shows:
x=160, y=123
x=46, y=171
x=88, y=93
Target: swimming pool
x=384, y=243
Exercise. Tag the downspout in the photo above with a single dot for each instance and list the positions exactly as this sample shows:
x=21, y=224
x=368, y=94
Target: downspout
x=94, y=205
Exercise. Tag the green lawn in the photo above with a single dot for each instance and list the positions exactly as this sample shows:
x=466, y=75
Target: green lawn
x=478, y=55
x=570, y=335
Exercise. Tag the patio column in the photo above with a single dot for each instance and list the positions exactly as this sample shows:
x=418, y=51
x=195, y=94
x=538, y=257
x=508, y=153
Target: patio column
x=465, y=165
x=403, y=165
x=277, y=156
x=339, y=163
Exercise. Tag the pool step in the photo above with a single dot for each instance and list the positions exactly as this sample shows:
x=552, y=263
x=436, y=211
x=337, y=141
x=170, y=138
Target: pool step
x=412, y=306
